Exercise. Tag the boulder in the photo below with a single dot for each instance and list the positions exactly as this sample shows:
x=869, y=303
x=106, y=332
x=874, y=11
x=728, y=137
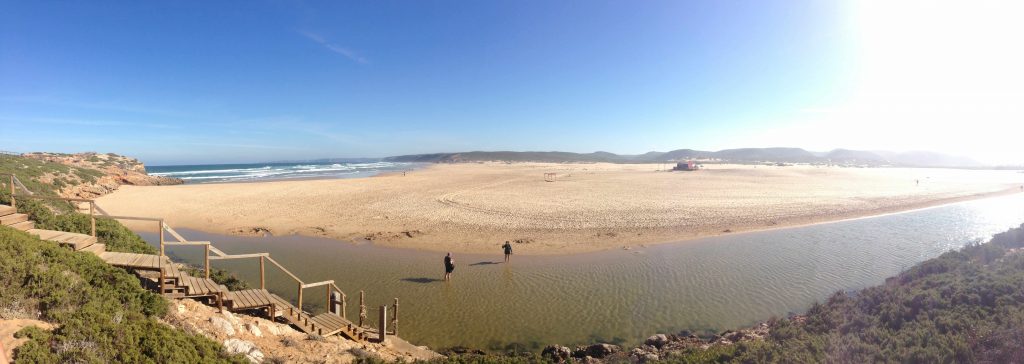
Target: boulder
x=222, y=325
x=230, y=317
x=254, y=330
x=556, y=353
x=657, y=341
x=270, y=328
x=596, y=351
x=236, y=346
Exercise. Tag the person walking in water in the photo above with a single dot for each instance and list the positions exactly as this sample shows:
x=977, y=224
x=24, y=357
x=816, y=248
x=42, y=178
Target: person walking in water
x=449, y=266
x=508, y=250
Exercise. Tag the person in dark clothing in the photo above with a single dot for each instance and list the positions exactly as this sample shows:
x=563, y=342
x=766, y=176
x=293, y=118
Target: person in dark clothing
x=508, y=250
x=449, y=266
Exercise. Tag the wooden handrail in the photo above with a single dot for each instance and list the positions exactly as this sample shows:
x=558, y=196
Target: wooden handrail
x=17, y=182
x=317, y=284
x=131, y=218
x=57, y=198
x=237, y=256
x=282, y=268
x=173, y=233
x=186, y=243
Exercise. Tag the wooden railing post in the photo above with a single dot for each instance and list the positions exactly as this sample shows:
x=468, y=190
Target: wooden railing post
x=362, y=307
x=394, y=319
x=332, y=302
x=344, y=305
x=382, y=330
x=13, y=202
x=161, y=229
x=263, y=282
x=92, y=217
x=300, y=297
x=206, y=259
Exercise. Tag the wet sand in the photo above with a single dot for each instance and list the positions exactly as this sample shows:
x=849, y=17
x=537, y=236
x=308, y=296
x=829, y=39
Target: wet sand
x=474, y=208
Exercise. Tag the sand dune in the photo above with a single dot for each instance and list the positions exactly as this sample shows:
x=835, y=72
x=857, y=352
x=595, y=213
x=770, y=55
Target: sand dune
x=476, y=207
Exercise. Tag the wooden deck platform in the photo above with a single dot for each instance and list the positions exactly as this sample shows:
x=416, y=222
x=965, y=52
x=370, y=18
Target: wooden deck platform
x=200, y=286
x=9, y=216
x=134, y=260
x=248, y=299
x=74, y=240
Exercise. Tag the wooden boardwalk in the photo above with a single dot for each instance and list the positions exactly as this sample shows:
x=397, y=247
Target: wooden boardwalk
x=164, y=276
x=135, y=261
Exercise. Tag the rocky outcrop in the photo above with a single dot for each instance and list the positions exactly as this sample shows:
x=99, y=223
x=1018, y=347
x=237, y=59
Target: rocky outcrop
x=656, y=348
x=93, y=174
x=262, y=340
x=596, y=351
x=556, y=353
x=236, y=346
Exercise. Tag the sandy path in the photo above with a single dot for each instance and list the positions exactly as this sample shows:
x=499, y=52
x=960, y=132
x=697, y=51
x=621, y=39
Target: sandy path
x=476, y=207
x=7, y=330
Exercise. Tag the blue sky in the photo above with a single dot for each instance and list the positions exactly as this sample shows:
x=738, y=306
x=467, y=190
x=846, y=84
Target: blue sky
x=215, y=82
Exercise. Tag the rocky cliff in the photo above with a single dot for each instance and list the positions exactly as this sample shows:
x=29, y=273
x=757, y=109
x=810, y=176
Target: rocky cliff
x=93, y=174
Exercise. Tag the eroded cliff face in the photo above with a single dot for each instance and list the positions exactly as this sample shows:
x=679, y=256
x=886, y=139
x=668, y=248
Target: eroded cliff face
x=96, y=174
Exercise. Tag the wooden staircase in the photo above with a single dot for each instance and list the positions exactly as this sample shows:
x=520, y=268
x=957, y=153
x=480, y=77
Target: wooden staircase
x=10, y=217
x=163, y=276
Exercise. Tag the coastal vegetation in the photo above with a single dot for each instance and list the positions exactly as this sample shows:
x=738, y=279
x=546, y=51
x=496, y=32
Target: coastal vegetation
x=80, y=175
x=42, y=177
x=101, y=313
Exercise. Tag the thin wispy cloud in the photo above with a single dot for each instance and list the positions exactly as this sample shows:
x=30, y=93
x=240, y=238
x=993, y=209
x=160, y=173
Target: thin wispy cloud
x=346, y=52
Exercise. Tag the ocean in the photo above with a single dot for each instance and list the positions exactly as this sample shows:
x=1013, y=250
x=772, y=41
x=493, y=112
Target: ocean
x=214, y=173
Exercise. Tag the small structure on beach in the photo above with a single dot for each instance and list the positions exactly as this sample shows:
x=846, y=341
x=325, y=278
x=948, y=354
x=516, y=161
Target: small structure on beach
x=686, y=166
x=550, y=177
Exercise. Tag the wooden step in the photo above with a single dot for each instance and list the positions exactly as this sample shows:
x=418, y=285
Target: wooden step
x=95, y=248
x=12, y=219
x=7, y=210
x=74, y=240
x=24, y=225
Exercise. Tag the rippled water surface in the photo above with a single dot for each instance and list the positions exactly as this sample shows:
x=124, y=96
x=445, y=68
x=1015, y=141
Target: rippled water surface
x=621, y=296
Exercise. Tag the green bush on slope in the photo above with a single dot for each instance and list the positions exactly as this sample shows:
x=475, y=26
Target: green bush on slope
x=103, y=314
x=117, y=237
x=965, y=306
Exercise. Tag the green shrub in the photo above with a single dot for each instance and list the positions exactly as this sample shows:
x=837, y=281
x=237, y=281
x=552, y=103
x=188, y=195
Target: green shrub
x=116, y=236
x=102, y=313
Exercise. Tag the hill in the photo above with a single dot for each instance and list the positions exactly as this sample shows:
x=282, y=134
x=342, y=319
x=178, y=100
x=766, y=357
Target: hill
x=741, y=155
x=81, y=175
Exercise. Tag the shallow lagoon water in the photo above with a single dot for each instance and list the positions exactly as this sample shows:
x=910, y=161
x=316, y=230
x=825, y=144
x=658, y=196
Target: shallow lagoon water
x=621, y=296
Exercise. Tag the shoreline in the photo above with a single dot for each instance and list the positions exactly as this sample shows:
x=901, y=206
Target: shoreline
x=927, y=206
x=475, y=208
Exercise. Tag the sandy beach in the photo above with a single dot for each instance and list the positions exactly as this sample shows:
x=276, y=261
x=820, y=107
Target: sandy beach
x=476, y=207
